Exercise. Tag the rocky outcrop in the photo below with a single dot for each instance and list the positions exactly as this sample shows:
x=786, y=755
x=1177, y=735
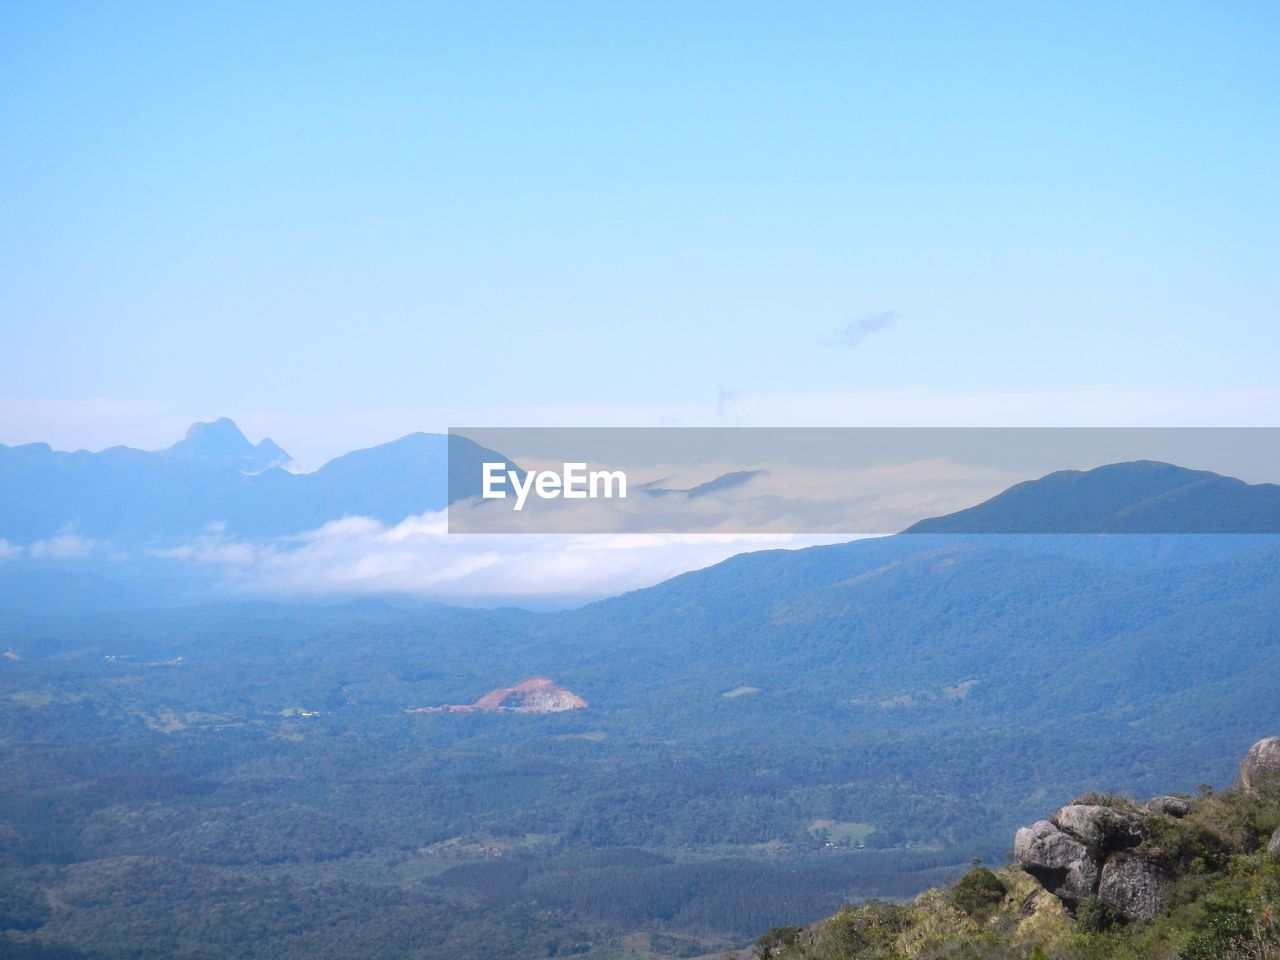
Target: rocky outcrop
x=1101, y=829
x=1133, y=886
x=1063, y=865
x=1120, y=853
x=1169, y=806
x=1074, y=854
x=1260, y=768
x=535, y=695
x=1096, y=879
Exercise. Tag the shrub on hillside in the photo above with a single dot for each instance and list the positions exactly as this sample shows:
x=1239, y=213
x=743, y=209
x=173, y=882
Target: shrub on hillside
x=771, y=944
x=978, y=892
x=1094, y=916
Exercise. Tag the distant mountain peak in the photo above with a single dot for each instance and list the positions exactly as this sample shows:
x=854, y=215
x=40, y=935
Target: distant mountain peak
x=223, y=429
x=220, y=444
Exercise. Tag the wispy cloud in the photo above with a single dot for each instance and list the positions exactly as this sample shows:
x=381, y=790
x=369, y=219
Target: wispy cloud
x=853, y=332
x=66, y=546
x=357, y=555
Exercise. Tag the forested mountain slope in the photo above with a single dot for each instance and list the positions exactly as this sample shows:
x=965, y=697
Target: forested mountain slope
x=765, y=739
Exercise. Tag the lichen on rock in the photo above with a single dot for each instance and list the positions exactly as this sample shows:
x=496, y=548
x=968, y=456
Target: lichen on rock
x=1133, y=886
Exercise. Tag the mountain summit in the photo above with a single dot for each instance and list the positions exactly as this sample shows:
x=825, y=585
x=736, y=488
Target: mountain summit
x=1141, y=496
x=221, y=445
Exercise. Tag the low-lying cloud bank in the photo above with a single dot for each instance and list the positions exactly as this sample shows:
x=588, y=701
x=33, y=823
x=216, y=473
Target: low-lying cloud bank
x=357, y=555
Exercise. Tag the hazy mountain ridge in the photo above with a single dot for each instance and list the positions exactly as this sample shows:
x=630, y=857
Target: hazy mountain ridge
x=1142, y=496
x=216, y=476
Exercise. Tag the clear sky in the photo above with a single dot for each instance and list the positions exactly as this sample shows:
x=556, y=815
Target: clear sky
x=340, y=222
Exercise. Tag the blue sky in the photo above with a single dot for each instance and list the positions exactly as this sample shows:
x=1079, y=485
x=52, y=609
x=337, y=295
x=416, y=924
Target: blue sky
x=337, y=222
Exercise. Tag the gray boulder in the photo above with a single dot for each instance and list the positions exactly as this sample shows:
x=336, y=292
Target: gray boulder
x=1101, y=829
x=1063, y=865
x=1274, y=845
x=1169, y=806
x=1260, y=768
x=1133, y=887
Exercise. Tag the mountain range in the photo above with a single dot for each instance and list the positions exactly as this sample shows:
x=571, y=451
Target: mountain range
x=216, y=476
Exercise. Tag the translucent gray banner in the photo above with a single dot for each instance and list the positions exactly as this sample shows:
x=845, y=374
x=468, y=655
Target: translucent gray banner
x=864, y=481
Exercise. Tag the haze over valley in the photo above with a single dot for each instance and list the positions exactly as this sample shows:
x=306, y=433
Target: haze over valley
x=743, y=746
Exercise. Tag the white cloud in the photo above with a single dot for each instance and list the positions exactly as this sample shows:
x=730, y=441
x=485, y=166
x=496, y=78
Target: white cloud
x=785, y=497
x=9, y=550
x=417, y=556
x=65, y=546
